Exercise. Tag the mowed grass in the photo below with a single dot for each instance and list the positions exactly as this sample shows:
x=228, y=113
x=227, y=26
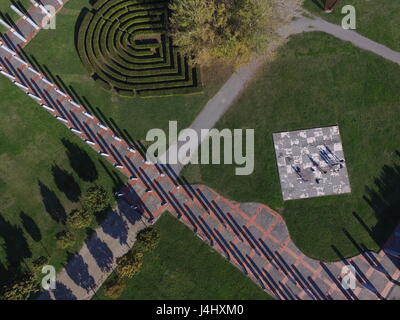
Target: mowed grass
x=377, y=20
x=55, y=51
x=44, y=170
x=183, y=267
x=318, y=81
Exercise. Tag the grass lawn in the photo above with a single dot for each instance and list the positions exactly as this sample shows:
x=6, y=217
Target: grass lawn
x=55, y=51
x=318, y=81
x=44, y=169
x=184, y=267
x=377, y=20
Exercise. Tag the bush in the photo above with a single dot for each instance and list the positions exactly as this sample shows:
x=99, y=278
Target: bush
x=39, y=263
x=147, y=240
x=96, y=199
x=21, y=288
x=79, y=219
x=65, y=239
x=129, y=265
x=114, y=288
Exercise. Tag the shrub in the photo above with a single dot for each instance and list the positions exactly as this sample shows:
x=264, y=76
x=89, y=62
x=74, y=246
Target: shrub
x=129, y=265
x=147, y=240
x=65, y=239
x=96, y=199
x=39, y=262
x=21, y=288
x=79, y=219
x=114, y=288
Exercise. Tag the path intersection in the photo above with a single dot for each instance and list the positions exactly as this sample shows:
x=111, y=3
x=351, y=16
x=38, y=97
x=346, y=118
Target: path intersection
x=251, y=236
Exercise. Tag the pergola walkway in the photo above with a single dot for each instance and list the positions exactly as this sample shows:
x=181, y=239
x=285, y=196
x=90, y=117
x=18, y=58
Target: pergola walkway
x=251, y=236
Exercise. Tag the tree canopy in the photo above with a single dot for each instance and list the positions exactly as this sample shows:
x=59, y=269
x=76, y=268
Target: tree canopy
x=229, y=30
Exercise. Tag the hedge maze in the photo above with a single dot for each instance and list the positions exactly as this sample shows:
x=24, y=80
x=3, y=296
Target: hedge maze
x=125, y=46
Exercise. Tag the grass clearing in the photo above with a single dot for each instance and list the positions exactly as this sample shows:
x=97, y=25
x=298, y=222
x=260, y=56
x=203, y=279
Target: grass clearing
x=318, y=81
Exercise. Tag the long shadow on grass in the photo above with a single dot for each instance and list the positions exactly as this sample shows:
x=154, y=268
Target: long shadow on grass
x=30, y=226
x=80, y=161
x=384, y=199
x=14, y=244
x=52, y=204
x=66, y=183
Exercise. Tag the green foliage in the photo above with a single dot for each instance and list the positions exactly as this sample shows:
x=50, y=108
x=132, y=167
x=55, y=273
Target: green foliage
x=114, y=287
x=228, y=30
x=39, y=262
x=21, y=288
x=96, y=199
x=129, y=265
x=80, y=218
x=65, y=239
x=147, y=240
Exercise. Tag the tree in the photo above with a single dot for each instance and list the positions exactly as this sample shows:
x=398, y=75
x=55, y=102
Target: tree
x=79, y=219
x=229, y=30
x=114, y=287
x=65, y=239
x=147, y=240
x=96, y=199
x=21, y=288
x=129, y=265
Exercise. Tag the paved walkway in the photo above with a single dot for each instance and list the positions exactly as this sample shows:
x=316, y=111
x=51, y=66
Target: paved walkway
x=251, y=236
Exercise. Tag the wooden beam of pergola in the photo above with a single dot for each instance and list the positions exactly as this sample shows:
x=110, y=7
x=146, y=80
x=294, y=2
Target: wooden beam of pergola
x=330, y=4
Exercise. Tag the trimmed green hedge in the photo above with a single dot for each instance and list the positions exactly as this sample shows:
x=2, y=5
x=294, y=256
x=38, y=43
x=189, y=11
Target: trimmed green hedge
x=124, y=46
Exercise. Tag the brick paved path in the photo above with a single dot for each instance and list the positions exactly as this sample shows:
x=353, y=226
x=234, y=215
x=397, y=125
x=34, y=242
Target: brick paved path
x=251, y=236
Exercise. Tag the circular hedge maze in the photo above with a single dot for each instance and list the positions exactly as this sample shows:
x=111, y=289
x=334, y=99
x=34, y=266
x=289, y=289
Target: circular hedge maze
x=125, y=47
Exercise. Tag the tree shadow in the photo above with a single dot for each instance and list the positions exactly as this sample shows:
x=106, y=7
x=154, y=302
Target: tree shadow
x=80, y=161
x=30, y=226
x=100, y=252
x=52, y=204
x=14, y=244
x=66, y=183
x=78, y=270
x=384, y=199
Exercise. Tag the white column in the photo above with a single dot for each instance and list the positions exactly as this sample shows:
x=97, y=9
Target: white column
x=61, y=119
x=75, y=130
x=34, y=97
x=7, y=75
x=5, y=24
x=88, y=115
x=21, y=86
x=74, y=103
x=60, y=92
x=117, y=138
x=47, y=107
x=7, y=49
x=101, y=126
x=34, y=71
x=47, y=82
x=89, y=142
x=20, y=60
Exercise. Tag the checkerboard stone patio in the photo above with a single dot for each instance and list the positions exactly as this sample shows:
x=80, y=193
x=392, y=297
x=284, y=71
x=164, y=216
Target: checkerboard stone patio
x=294, y=149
